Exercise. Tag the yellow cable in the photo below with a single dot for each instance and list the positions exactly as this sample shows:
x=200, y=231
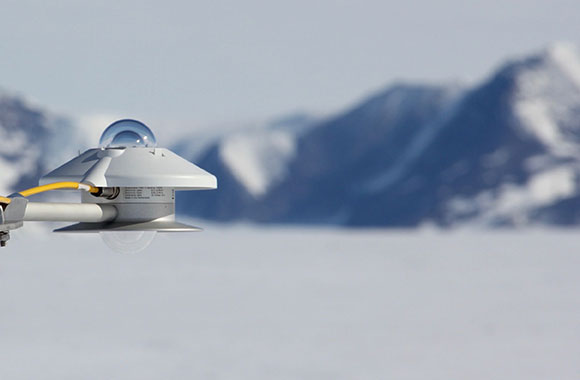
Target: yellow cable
x=56, y=186
x=53, y=186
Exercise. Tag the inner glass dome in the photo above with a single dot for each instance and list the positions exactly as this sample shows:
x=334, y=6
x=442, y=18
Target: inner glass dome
x=127, y=133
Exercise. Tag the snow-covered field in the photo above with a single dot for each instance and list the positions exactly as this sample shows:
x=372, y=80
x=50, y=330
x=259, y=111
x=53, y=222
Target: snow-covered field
x=249, y=303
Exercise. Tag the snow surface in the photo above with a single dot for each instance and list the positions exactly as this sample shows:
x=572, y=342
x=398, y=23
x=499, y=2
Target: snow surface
x=248, y=303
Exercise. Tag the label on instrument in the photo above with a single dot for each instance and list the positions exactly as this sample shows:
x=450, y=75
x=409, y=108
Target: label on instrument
x=147, y=194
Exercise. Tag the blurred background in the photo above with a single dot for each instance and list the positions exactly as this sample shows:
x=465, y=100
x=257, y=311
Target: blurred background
x=420, y=159
x=343, y=113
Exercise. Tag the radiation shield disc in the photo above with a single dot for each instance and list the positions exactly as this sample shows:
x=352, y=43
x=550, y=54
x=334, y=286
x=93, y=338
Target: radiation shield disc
x=128, y=237
x=159, y=226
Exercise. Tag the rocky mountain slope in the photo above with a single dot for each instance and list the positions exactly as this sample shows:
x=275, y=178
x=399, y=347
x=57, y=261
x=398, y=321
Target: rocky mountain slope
x=505, y=151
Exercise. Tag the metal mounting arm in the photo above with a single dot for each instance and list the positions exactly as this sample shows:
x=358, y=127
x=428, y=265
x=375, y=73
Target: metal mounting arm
x=69, y=212
x=21, y=210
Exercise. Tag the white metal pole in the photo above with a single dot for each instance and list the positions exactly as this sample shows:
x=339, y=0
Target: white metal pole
x=69, y=212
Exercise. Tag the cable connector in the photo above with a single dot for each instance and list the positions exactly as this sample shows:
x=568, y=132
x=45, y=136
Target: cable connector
x=106, y=192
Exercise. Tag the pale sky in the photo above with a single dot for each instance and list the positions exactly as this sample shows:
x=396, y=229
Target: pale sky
x=199, y=63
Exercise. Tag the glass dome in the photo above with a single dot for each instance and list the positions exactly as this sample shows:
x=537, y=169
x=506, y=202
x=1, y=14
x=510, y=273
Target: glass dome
x=127, y=133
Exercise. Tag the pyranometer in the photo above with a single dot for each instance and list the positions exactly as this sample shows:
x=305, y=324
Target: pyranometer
x=129, y=188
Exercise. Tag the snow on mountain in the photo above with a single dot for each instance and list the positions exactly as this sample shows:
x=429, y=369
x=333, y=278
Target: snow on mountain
x=11, y=167
x=418, y=144
x=514, y=202
x=546, y=107
x=506, y=153
x=249, y=162
x=258, y=159
x=15, y=157
x=547, y=99
x=31, y=140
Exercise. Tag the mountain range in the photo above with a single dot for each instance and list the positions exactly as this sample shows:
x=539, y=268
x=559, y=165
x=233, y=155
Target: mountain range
x=505, y=151
x=32, y=141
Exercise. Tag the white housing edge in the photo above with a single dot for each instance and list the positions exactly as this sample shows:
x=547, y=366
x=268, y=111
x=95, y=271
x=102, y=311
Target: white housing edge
x=133, y=167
